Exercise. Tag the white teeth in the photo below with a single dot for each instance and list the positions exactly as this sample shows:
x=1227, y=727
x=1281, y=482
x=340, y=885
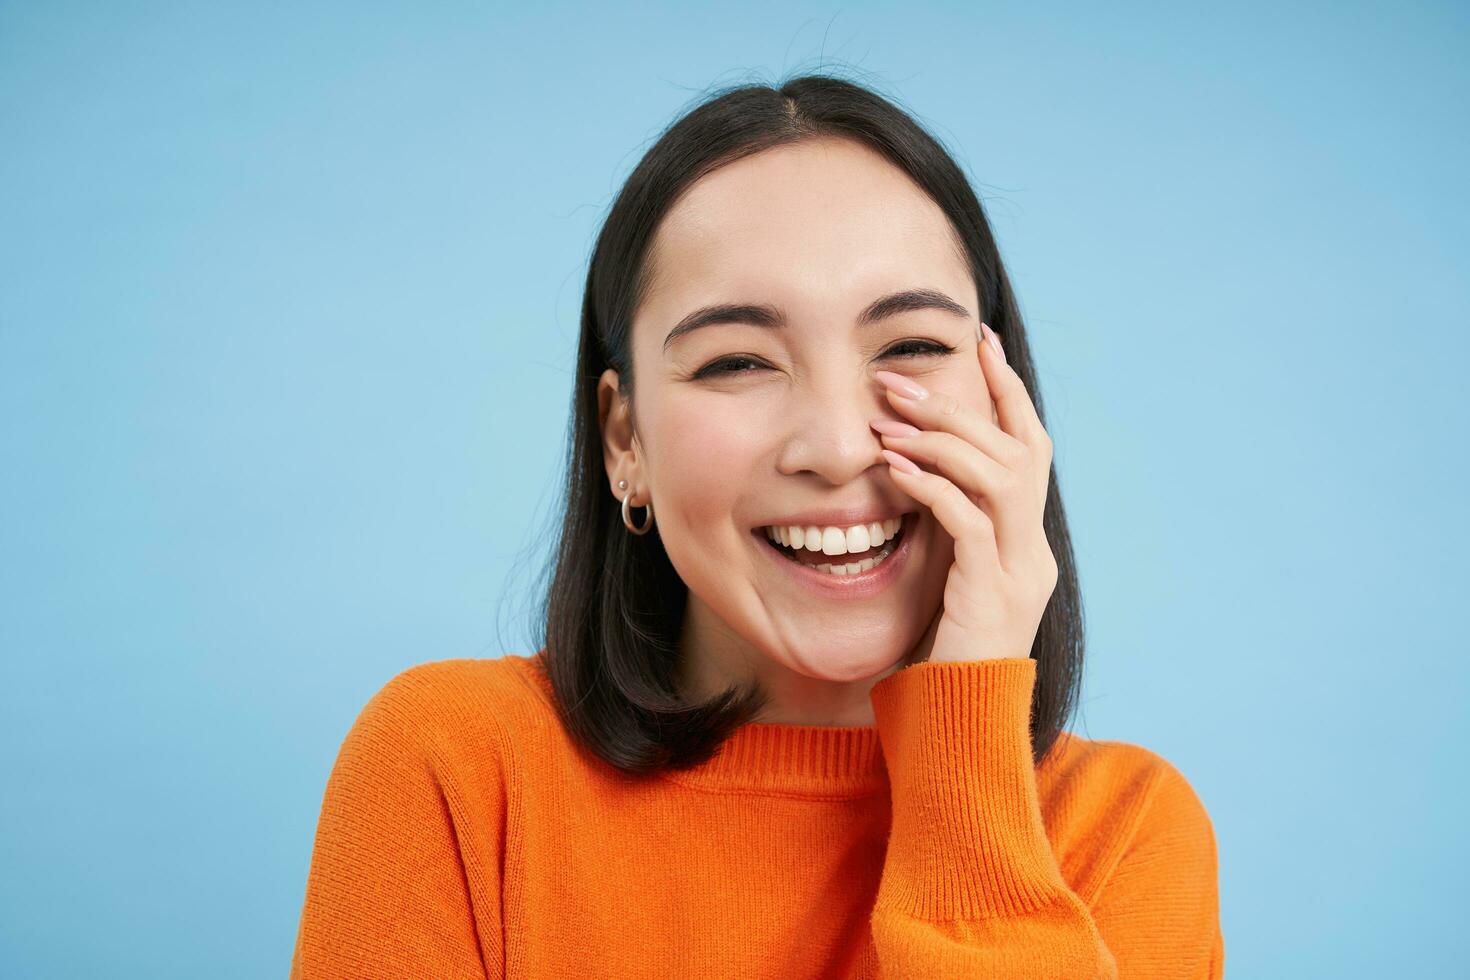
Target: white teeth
x=852, y=567
x=833, y=540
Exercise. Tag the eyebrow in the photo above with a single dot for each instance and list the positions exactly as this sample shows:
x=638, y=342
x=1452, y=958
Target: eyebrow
x=760, y=315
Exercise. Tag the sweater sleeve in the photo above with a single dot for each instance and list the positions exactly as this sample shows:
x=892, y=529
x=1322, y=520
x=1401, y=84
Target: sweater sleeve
x=388, y=893
x=970, y=885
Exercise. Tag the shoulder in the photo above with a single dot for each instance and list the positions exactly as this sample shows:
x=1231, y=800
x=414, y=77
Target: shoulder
x=1118, y=798
x=447, y=713
x=1113, y=770
x=446, y=694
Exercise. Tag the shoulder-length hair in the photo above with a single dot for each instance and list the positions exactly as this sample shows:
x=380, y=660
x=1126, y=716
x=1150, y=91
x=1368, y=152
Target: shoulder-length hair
x=615, y=604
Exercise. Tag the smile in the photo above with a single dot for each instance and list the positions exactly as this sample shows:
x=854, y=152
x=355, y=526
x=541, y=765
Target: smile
x=837, y=550
x=841, y=562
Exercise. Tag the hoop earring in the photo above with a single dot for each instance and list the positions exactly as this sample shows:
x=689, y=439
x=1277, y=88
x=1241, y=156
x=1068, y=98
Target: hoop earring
x=628, y=517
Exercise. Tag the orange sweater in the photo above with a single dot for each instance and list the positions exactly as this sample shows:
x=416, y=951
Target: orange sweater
x=464, y=836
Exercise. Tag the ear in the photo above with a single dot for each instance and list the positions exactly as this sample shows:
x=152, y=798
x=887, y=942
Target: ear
x=619, y=443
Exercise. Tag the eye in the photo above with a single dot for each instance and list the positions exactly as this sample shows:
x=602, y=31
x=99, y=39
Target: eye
x=746, y=364
x=917, y=348
x=735, y=364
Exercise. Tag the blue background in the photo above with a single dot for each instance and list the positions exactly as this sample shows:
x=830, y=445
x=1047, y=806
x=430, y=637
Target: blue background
x=288, y=305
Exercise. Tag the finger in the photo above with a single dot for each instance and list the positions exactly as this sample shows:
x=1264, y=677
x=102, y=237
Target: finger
x=1015, y=410
x=1013, y=404
x=943, y=411
x=1006, y=494
x=980, y=343
x=973, y=533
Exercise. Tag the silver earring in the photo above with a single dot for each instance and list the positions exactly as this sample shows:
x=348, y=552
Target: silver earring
x=628, y=517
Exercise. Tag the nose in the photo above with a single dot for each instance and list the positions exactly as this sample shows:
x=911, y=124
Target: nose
x=827, y=431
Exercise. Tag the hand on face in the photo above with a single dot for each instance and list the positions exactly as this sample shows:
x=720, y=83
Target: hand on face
x=988, y=491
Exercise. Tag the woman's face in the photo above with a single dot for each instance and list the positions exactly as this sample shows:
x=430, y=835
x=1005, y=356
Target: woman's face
x=760, y=419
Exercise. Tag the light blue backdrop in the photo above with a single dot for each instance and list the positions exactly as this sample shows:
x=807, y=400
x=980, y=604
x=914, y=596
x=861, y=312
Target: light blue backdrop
x=288, y=300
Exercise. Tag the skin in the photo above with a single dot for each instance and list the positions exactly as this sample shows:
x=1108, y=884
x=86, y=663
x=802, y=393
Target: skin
x=820, y=229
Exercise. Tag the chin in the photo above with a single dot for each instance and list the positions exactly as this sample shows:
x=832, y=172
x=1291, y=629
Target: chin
x=847, y=660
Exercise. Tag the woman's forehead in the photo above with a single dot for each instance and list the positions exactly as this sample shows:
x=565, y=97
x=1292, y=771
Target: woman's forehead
x=829, y=221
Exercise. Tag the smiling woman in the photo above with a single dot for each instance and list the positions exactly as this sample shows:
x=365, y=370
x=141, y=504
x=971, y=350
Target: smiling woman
x=806, y=715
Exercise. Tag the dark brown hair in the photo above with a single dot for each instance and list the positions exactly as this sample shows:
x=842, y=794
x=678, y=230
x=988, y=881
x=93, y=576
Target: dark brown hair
x=615, y=604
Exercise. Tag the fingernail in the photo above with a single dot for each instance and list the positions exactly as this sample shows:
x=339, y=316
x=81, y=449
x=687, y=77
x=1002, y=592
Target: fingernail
x=994, y=339
x=891, y=427
x=899, y=462
x=907, y=387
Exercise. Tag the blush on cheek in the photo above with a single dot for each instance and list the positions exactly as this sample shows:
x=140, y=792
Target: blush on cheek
x=705, y=457
x=705, y=451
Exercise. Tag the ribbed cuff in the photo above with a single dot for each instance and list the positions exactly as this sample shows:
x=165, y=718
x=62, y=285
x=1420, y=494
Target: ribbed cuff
x=968, y=840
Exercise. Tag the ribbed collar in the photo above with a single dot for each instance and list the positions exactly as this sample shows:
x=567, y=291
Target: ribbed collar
x=793, y=760
x=787, y=760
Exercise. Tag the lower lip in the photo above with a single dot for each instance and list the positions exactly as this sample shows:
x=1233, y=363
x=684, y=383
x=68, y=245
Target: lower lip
x=863, y=585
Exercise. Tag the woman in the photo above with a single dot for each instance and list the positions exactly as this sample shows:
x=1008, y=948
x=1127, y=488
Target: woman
x=813, y=631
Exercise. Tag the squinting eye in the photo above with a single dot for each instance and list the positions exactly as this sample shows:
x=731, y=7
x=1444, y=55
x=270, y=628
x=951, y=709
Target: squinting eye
x=745, y=364
x=728, y=365
x=915, y=348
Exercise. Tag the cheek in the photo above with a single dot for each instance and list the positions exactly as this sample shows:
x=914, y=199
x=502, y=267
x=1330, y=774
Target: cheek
x=705, y=453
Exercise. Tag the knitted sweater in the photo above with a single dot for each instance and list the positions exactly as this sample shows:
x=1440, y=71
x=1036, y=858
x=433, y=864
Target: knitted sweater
x=464, y=835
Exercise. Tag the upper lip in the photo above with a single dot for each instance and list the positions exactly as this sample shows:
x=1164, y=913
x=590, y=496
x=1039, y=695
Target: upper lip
x=839, y=517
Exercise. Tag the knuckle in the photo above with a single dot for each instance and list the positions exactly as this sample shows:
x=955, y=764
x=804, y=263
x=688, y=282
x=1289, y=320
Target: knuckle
x=979, y=521
x=1013, y=453
x=956, y=496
